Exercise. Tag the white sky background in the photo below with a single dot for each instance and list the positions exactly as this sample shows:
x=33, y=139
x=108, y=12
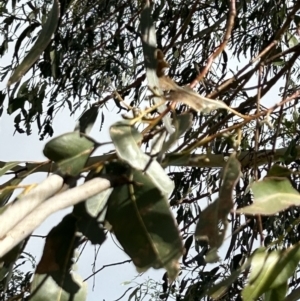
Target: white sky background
x=108, y=283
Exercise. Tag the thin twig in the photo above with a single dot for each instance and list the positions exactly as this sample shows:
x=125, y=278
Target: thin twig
x=221, y=47
x=106, y=266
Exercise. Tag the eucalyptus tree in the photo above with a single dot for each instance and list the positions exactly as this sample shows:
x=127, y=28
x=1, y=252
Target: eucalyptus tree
x=203, y=180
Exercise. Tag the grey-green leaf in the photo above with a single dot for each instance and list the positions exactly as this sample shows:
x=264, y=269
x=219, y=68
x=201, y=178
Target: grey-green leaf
x=126, y=139
x=40, y=44
x=270, y=270
x=143, y=223
x=272, y=195
x=87, y=120
x=70, y=151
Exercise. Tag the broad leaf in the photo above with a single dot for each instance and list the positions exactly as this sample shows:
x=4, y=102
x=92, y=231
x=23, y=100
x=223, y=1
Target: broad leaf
x=47, y=289
x=126, y=139
x=277, y=293
x=70, y=151
x=143, y=223
x=40, y=44
x=279, y=171
x=270, y=270
x=91, y=215
x=55, y=278
x=272, y=195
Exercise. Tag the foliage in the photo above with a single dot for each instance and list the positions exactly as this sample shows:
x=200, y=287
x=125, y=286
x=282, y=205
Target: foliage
x=174, y=147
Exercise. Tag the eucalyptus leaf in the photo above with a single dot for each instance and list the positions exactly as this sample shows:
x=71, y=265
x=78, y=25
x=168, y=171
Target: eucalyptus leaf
x=143, y=223
x=70, y=151
x=96, y=204
x=277, y=293
x=45, y=288
x=272, y=195
x=91, y=216
x=55, y=278
x=182, y=123
x=7, y=189
x=40, y=45
x=212, y=223
x=8, y=166
x=126, y=139
x=270, y=270
x=279, y=171
x=149, y=49
x=87, y=120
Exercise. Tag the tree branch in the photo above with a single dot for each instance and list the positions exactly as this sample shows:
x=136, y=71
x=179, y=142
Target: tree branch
x=217, y=161
x=177, y=159
x=61, y=201
x=16, y=211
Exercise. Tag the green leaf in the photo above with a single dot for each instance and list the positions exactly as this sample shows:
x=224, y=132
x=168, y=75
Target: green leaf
x=278, y=63
x=149, y=43
x=126, y=139
x=277, y=294
x=279, y=171
x=143, y=223
x=96, y=204
x=272, y=195
x=7, y=189
x=54, y=277
x=48, y=289
x=8, y=166
x=292, y=40
x=25, y=33
x=182, y=123
x=214, y=215
x=40, y=44
x=87, y=120
x=291, y=152
x=70, y=151
x=270, y=270
x=91, y=215
x=7, y=262
x=218, y=290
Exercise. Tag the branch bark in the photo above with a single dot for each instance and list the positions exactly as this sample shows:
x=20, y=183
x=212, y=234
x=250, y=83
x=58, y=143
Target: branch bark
x=217, y=161
x=173, y=159
x=58, y=202
x=16, y=211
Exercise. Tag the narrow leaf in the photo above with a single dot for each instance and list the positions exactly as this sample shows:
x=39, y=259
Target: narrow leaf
x=126, y=139
x=8, y=166
x=182, y=123
x=212, y=223
x=87, y=120
x=40, y=45
x=150, y=56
